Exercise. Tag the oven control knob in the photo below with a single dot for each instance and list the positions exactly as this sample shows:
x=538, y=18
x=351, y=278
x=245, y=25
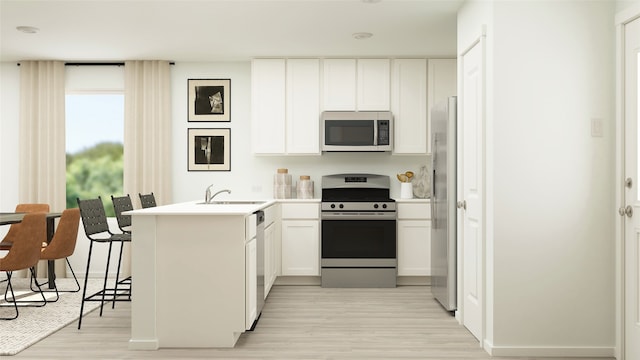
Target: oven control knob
x=333, y=206
x=341, y=206
x=375, y=206
x=384, y=206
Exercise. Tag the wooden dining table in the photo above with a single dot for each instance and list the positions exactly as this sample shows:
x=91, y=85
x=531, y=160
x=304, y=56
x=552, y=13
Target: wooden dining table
x=8, y=218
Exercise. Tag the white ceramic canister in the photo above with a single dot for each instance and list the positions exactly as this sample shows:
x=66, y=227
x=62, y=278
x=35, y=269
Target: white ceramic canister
x=282, y=184
x=305, y=187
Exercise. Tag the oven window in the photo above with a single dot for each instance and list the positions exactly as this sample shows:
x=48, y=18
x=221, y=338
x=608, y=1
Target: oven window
x=349, y=132
x=355, y=239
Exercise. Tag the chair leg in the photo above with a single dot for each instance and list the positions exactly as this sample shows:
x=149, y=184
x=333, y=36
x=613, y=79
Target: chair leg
x=15, y=305
x=84, y=291
x=44, y=299
x=106, y=274
x=35, y=280
x=56, y=285
x=30, y=303
x=115, y=290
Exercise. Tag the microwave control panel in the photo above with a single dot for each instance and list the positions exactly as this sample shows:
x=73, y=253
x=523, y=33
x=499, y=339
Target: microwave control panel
x=383, y=132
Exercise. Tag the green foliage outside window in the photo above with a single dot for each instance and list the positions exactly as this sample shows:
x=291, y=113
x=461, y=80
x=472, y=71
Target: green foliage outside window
x=96, y=171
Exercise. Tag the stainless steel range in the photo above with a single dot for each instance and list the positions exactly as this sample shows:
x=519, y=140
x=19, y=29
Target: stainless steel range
x=358, y=231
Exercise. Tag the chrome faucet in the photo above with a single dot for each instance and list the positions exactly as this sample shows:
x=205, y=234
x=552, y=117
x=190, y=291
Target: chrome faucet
x=207, y=194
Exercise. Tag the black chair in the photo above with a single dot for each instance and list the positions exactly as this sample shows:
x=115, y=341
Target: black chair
x=94, y=220
x=120, y=205
x=147, y=200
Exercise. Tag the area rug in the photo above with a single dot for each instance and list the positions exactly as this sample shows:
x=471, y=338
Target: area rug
x=35, y=323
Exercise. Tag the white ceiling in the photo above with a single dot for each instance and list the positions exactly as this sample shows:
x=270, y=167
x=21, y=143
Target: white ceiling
x=217, y=30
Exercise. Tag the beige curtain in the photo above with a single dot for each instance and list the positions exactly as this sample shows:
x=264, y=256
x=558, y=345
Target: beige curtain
x=147, y=126
x=42, y=168
x=147, y=140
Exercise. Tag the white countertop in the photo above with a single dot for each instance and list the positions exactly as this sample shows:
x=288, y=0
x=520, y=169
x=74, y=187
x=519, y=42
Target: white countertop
x=198, y=208
x=413, y=200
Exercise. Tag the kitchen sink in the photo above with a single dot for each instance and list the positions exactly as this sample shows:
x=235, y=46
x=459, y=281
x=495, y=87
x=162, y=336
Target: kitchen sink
x=233, y=202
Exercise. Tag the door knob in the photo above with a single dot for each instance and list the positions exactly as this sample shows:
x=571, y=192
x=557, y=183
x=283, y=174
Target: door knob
x=629, y=211
x=621, y=211
x=462, y=204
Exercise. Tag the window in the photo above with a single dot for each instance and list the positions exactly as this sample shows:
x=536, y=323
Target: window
x=94, y=146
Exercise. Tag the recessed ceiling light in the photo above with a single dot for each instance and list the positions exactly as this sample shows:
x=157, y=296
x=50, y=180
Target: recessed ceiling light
x=371, y=1
x=27, y=29
x=362, y=35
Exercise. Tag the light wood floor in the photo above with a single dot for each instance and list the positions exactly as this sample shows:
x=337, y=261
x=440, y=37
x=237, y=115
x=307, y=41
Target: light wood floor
x=298, y=322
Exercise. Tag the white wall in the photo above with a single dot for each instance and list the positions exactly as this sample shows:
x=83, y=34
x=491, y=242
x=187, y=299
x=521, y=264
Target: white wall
x=550, y=71
x=9, y=113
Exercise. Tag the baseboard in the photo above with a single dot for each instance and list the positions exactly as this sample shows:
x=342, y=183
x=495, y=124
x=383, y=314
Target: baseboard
x=413, y=280
x=297, y=280
x=143, y=344
x=315, y=280
x=549, y=351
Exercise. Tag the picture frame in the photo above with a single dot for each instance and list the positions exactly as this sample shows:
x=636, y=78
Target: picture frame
x=209, y=99
x=209, y=149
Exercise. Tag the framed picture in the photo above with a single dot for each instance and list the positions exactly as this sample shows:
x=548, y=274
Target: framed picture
x=209, y=99
x=209, y=149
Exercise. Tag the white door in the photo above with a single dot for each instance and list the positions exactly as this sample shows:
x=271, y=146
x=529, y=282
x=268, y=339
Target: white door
x=631, y=249
x=470, y=187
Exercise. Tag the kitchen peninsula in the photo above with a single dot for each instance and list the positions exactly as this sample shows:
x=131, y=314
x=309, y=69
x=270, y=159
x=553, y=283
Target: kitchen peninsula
x=189, y=265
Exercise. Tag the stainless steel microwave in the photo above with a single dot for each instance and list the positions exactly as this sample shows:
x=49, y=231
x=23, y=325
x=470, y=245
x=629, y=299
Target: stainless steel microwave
x=357, y=131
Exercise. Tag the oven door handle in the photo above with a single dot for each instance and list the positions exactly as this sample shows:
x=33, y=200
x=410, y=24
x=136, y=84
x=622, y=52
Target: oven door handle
x=358, y=216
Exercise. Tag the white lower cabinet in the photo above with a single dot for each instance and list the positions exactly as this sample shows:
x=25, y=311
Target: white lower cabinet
x=270, y=271
x=251, y=306
x=414, y=239
x=301, y=239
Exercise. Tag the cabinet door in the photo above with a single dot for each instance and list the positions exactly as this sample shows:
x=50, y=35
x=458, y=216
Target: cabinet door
x=251, y=290
x=409, y=106
x=339, y=87
x=303, y=106
x=269, y=259
x=373, y=85
x=414, y=247
x=442, y=84
x=300, y=247
x=268, y=106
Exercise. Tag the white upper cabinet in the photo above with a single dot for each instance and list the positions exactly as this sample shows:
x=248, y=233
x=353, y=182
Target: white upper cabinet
x=409, y=106
x=339, y=88
x=373, y=85
x=268, y=106
x=285, y=106
x=303, y=106
x=362, y=84
x=442, y=84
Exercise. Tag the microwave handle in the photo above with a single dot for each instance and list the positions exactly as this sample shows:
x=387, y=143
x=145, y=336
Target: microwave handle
x=375, y=132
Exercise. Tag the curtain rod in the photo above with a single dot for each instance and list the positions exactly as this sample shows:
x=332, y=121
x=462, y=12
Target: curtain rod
x=98, y=63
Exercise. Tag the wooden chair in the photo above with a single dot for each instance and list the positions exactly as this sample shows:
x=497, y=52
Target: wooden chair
x=8, y=240
x=25, y=253
x=94, y=220
x=63, y=244
x=147, y=200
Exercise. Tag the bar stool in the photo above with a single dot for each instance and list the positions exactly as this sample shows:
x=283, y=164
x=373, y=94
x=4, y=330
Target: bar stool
x=122, y=204
x=147, y=200
x=94, y=220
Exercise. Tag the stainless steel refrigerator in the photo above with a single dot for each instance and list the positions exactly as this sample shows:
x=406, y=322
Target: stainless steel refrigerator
x=443, y=203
